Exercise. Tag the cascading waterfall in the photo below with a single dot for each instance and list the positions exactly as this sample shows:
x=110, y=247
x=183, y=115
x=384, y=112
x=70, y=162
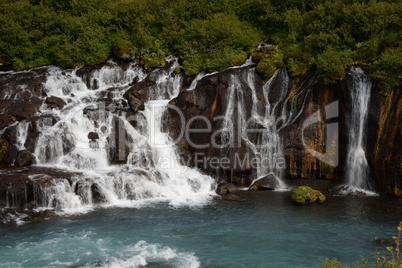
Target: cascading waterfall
x=268, y=149
x=152, y=171
x=270, y=145
x=22, y=133
x=357, y=169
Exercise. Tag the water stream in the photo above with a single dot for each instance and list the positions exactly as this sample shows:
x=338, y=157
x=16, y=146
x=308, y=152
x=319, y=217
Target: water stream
x=357, y=169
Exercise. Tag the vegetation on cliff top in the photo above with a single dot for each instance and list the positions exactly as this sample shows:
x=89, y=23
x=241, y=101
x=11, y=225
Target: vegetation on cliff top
x=207, y=35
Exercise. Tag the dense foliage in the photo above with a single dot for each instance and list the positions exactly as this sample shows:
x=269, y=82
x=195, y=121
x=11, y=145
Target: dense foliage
x=206, y=34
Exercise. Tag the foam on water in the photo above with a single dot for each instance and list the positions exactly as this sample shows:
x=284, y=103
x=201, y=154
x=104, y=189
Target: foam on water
x=144, y=253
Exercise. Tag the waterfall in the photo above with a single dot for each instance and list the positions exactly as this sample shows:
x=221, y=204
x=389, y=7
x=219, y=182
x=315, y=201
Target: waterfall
x=270, y=149
x=96, y=123
x=357, y=169
x=22, y=133
x=267, y=149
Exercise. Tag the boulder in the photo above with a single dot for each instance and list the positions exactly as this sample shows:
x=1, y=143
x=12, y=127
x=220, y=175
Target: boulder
x=55, y=102
x=305, y=194
x=21, y=95
x=24, y=158
x=269, y=182
x=4, y=151
x=226, y=188
x=93, y=136
x=135, y=104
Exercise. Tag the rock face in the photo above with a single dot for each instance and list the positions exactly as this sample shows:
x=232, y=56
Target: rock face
x=198, y=118
x=24, y=158
x=312, y=121
x=20, y=95
x=55, y=102
x=215, y=122
x=310, y=140
x=387, y=146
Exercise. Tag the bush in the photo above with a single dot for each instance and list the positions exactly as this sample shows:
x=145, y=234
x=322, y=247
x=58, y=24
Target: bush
x=331, y=65
x=388, y=69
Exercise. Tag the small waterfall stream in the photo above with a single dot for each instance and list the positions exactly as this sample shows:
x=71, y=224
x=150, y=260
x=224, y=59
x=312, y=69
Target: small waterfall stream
x=357, y=169
x=267, y=149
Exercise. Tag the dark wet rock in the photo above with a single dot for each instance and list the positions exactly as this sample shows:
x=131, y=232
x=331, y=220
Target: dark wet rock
x=97, y=195
x=24, y=158
x=12, y=154
x=226, y=188
x=147, y=89
x=135, y=104
x=21, y=188
x=118, y=142
x=37, y=124
x=21, y=95
x=93, y=136
x=4, y=151
x=269, y=182
x=203, y=110
x=386, y=142
x=55, y=102
x=383, y=241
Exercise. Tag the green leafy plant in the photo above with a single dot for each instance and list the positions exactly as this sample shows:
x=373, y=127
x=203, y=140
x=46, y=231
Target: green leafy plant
x=380, y=260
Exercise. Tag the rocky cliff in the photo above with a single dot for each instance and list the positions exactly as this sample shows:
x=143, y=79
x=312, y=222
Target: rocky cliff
x=231, y=115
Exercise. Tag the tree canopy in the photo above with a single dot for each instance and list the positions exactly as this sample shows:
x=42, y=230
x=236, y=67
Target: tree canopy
x=207, y=35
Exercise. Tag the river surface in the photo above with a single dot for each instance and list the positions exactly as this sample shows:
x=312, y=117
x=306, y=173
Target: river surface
x=265, y=229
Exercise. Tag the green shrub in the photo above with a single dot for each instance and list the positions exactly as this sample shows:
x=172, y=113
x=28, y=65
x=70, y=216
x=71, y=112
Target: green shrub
x=266, y=68
x=388, y=69
x=122, y=47
x=331, y=64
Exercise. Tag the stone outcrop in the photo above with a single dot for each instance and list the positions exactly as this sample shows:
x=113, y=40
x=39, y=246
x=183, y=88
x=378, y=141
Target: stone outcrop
x=387, y=147
x=24, y=158
x=196, y=117
x=20, y=95
x=312, y=121
x=55, y=102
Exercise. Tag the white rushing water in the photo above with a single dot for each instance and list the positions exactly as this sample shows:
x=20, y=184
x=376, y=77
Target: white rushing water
x=357, y=169
x=267, y=150
x=148, y=170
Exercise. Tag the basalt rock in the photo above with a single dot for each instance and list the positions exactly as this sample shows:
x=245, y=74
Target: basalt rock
x=196, y=121
x=118, y=142
x=386, y=156
x=226, y=188
x=22, y=188
x=93, y=136
x=150, y=87
x=268, y=182
x=21, y=95
x=135, y=104
x=24, y=158
x=55, y=102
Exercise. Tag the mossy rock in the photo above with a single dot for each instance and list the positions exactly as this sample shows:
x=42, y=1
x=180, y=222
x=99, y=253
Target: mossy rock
x=305, y=194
